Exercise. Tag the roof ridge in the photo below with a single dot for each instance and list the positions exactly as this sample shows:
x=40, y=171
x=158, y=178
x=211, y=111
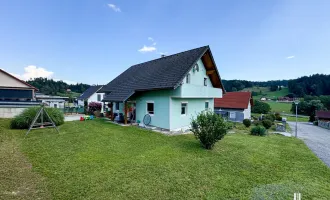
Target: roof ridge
x=171, y=55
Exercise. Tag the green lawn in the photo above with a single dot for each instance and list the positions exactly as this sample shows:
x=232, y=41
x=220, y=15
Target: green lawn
x=99, y=160
x=267, y=93
x=280, y=107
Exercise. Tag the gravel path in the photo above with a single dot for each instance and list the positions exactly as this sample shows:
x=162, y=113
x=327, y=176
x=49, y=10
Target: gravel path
x=316, y=138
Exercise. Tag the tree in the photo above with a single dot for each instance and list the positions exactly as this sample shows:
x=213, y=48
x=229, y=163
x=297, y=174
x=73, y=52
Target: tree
x=273, y=88
x=208, y=128
x=308, y=108
x=260, y=107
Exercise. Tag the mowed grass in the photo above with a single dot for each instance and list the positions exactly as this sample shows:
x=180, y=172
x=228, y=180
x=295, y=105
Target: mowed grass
x=280, y=107
x=99, y=160
x=267, y=93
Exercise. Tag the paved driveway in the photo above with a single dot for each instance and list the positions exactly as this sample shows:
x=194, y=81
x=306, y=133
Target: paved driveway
x=316, y=138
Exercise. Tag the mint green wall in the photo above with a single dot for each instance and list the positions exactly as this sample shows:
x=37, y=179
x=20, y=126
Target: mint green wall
x=194, y=107
x=121, y=107
x=161, y=107
x=196, y=87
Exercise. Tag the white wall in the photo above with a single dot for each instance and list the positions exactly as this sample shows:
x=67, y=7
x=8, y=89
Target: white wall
x=8, y=81
x=10, y=112
x=93, y=98
x=247, y=112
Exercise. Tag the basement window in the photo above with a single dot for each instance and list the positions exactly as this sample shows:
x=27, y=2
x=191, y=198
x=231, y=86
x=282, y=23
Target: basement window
x=150, y=108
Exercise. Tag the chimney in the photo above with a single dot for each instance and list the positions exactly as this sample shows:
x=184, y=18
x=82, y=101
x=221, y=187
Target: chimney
x=163, y=55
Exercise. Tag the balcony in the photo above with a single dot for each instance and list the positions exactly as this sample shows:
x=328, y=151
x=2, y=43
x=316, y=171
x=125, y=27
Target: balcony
x=197, y=91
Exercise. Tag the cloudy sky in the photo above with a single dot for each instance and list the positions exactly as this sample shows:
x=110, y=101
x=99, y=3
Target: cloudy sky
x=92, y=41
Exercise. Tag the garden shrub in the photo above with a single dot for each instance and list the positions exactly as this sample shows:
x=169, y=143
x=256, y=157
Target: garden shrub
x=257, y=123
x=247, y=122
x=258, y=130
x=260, y=107
x=24, y=120
x=270, y=117
x=316, y=123
x=94, y=106
x=278, y=116
x=267, y=123
x=208, y=128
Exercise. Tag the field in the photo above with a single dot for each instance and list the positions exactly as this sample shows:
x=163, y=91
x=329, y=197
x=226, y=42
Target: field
x=267, y=93
x=280, y=107
x=99, y=160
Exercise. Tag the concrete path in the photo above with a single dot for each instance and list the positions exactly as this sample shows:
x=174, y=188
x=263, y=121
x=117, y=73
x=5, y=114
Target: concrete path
x=316, y=138
x=68, y=118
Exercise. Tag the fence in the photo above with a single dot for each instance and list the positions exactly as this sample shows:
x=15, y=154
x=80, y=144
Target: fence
x=72, y=110
x=324, y=124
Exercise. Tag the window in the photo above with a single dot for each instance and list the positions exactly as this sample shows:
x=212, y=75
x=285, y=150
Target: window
x=55, y=105
x=205, y=81
x=150, y=108
x=117, y=106
x=184, y=108
x=232, y=115
x=206, y=105
x=98, y=97
x=188, y=78
x=197, y=67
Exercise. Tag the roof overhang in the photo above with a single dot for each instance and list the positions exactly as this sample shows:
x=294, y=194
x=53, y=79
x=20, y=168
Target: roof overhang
x=25, y=83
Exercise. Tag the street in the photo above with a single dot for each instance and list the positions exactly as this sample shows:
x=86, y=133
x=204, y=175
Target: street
x=316, y=138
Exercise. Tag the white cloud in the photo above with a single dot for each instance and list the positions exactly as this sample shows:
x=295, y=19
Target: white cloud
x=114, y=7
x=145, y=49
x=154, y=43
x=31, y=72
x=151, y=39
x=289, y=57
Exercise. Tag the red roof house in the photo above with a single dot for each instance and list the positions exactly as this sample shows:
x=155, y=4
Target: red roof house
x=236, y=106
x=323, y=115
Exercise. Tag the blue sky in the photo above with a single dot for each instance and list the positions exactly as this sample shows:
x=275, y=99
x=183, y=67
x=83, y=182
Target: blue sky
x=92, y=41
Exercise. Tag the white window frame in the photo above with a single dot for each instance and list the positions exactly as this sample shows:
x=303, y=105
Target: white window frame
x=147, y=112
x=232, y=115
x=197, y=67
x=208, y=105
x=186, y=110
x=188, y=77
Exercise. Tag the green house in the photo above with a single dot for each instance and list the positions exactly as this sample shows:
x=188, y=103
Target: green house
x=169, y=91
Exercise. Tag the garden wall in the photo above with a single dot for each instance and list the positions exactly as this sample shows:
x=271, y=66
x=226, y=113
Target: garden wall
x=10, y=112
x=324, y=124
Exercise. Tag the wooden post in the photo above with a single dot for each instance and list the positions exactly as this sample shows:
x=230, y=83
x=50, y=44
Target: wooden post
x=125, y=115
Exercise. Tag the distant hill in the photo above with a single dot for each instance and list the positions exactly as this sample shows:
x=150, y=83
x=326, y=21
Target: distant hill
x=51, y=87
x=259, y=92
x=315, y=85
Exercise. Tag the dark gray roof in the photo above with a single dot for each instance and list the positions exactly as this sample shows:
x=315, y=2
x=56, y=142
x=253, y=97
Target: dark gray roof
x=89, y=92
x=162, y=73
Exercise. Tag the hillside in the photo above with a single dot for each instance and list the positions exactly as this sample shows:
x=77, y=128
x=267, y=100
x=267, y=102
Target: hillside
x=265, y=92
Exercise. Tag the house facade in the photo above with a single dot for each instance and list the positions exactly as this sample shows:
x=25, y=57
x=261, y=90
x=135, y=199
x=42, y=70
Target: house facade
x=169, y=91
x=235, y=106
x=92, y=95
x=15, y=95
x=52, y=101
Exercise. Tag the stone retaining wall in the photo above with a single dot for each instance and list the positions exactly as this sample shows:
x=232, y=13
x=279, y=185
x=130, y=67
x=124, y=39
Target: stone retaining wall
x=324, y=124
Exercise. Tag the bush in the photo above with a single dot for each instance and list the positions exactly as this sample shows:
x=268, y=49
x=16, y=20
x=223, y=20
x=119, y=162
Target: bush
x=316, y=123
x=267, y=123
x=247, y=122
x=230, y=125
x=208, y=128
x=270, y=117
x=260, y=107
x=258, y=130
x=94, y=106
x=257, y=123
x=24, y=120
x=278, y=116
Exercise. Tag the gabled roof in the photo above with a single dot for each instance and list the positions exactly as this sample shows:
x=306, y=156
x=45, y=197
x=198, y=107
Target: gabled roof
x=25, y=83
x=235, y=100
x=162, y=73
x=323, y=114
x=90, y=91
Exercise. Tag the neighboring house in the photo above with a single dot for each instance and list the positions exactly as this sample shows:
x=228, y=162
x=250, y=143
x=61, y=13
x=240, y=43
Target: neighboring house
x=92, y=95
x=236, y=106
x=323, y=118
x=171, y=89
x=15, y=95
x=52, y=101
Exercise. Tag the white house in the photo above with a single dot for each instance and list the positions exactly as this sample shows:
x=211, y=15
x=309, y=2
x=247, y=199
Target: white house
x=91, y=95
x=236, y=106
x=52, y=101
